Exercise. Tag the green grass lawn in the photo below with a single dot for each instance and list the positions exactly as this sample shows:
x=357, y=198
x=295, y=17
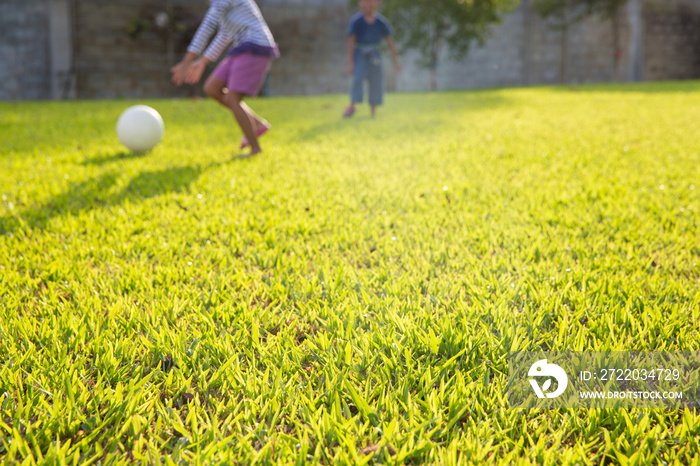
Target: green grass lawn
x=350, y=296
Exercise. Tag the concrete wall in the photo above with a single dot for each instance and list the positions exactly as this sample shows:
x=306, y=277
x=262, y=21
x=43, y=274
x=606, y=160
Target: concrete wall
x=672, y=40
x=312, y=42
x=24, y=50
x=650, y=39
x=83, y=48
x=120, y=51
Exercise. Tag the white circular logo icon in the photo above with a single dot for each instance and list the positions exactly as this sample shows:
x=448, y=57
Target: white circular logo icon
x=542, y=369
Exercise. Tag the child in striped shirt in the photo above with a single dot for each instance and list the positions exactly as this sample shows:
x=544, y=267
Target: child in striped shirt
x=242, y=72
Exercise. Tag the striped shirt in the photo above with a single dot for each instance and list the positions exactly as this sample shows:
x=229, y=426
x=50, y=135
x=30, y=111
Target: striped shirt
x=239, y=22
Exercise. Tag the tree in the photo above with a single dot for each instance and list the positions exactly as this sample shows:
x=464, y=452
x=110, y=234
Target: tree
x=428, y=26
x=565, y=13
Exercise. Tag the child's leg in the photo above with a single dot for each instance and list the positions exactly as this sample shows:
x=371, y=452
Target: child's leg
x=258, y=121
x=234, y=101
x=216, y=89
x=375, y=76
x=358, y=78
x=260, y=125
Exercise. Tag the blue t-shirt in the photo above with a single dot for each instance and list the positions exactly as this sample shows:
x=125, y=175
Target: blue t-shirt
x=367, y=34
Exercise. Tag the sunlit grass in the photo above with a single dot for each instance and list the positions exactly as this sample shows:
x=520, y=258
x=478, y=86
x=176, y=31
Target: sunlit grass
x=351, y=295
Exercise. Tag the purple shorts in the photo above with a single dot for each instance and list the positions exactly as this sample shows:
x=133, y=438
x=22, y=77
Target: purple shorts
x=244, y=73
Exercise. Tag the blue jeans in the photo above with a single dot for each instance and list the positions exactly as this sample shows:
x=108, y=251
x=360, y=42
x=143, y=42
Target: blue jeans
x=368, y=65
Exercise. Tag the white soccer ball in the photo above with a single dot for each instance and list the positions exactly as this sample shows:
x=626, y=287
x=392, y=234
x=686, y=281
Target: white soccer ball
x=140, y=128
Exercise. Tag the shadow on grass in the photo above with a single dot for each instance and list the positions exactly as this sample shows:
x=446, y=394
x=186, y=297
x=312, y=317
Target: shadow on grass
x=99, y=192
x=119, y=156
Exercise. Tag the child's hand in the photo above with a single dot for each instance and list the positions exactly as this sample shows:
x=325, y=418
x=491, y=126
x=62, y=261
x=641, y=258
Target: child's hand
x=397, y=65
x=195, y=71
x=179, y=71
x=351, y=68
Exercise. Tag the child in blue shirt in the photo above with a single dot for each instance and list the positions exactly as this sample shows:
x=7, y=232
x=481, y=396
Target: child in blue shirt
x=365, y=32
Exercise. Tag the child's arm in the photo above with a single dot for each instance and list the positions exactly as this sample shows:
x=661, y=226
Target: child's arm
x=394, y=53
x=190, y=70
x=352, y=40
x=210, y=24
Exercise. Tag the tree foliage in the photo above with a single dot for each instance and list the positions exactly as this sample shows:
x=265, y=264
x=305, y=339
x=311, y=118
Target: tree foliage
x=428, y=26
